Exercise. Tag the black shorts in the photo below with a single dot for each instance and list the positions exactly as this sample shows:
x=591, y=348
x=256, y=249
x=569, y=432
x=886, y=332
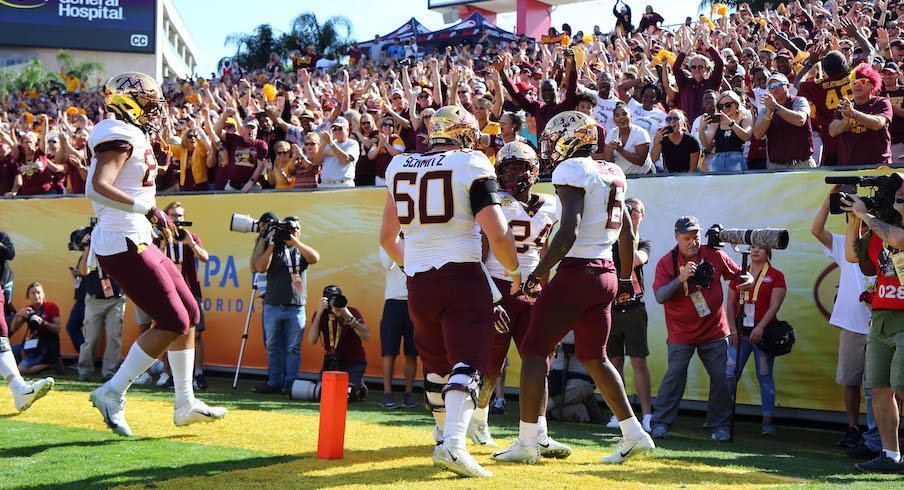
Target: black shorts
x=629, y=333
x=394, y=326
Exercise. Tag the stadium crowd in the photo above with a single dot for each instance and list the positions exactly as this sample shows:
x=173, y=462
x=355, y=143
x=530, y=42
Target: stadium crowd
x=706, y=96
x=791, y=87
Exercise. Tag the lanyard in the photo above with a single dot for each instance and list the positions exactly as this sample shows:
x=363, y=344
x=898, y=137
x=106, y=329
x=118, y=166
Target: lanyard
x=759, y=282
x=175, y=252
x=294, y=261
x=334, y=335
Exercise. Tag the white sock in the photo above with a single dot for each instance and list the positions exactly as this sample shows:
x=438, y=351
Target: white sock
x=182, y=365
x=481, y=415
x=894, y=455
x=440, y=418
x=199, y=372
x=136, y=362
x=527, y=433
x=542, y=434
x=631, y=428
x=8, y=368
x=459, y=409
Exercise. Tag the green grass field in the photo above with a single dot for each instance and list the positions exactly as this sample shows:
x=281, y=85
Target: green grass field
x=271, y=442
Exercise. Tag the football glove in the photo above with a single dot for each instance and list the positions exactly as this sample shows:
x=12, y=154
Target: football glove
x=500, y=319
x=162, y=223
x=531, y=287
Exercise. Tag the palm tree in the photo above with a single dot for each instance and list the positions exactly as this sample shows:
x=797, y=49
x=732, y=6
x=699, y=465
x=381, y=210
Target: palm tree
x=36, y=77
x=79, y=67
x=329, y=39
x=253, y=50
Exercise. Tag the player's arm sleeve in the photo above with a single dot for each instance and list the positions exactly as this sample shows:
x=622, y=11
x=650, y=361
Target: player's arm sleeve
x=484, y=192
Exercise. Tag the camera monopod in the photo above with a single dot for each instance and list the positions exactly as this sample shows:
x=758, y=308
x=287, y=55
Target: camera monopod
x=739, y=326
x=238, y=364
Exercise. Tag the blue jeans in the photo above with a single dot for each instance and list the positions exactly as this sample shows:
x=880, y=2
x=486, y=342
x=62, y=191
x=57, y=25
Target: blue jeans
x=283, y=326
x=871, y=436
x=764, y=364
x=728, y=161
x=74, y=324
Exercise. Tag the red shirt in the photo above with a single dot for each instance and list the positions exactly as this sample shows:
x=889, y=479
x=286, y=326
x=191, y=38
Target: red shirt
x=823, y=97
x=682, y=322
x=861, y=146
x=349, y=348
x=184, y=258
x=243, y=158
x=772, y=280
x=49, y=311
x=36, y=176
x=889, y=292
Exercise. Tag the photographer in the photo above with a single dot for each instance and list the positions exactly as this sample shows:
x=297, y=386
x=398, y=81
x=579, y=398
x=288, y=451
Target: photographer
x=578, y=402
x=7, y=253
x=343, y=329
x=183, y=251
x=285, y=260
x=105, y=307
x=878, y=252
x=42, y=341
x=688, y=285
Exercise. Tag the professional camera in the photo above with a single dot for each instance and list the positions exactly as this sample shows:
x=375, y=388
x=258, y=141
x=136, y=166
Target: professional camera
x=703, y=276
x=880, y=204
x=334, y=296
x=182, y=232
x=770, y=238
x=243, y=223
x=76, y=237
x=34, y=322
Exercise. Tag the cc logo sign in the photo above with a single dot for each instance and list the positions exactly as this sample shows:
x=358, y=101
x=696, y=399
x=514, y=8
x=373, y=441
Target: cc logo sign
x=139, y=40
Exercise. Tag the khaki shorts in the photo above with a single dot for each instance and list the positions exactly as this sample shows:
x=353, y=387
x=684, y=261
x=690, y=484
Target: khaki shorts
x=851, y=358
x=885, y=351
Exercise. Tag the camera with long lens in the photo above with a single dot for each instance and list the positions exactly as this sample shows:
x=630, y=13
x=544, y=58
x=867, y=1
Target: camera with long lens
x=880, y=204
x=76, y=237
x=333, y=295
x=243, y=223
x=181, y=225
x=703, y=276
x=771, y=238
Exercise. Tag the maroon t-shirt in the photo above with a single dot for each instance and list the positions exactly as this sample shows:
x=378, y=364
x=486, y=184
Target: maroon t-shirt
x=823, y=97
x=349, y=348
x=36, y=176
x=168, y=177
x=184, y=258
x=8, y=171
x=76, y=181
x=243, y=158
x=896, y=129
x=860, y=146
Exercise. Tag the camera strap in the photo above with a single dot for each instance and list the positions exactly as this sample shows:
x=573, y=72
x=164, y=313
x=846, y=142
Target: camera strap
x=294, y=261
x=678, y=270
x=175, y=252
x=334, y=333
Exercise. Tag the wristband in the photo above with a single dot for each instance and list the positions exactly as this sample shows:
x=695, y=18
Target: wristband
x=141, y=208
x=625, y=280
x=514, y=272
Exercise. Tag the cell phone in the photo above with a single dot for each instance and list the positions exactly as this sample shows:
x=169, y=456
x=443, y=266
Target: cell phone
x=714, y=118
x=668, y=130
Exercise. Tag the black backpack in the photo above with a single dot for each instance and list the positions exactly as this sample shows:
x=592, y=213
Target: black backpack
x=778, y=338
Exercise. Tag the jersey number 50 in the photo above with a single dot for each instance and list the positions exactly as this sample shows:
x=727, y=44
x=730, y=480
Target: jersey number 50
x=429, y=199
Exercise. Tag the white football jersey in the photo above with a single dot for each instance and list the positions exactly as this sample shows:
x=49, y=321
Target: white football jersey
x=531, y=227
x=135, y=179
x=604, y=187
x=433, y=199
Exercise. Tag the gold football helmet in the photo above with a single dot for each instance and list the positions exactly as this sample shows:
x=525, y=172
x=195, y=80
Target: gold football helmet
x=135, y=98
x=453, y=125
x=517, y=167
x=565, y=133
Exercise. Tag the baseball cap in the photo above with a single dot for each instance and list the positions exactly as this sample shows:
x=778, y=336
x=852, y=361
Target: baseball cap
x=230, y=121
x=332, y=291
x=778, y=77
x=269, y=217
x=306, y=114
x=892, y=67
x=896, y=42
x=784, y=53
x=251, y=121
x=398, y=91
x=341, y=122
x=523, y=87
x=686, y=224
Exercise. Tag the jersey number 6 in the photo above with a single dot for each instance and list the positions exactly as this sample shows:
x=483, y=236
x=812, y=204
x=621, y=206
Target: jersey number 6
x=431, y=192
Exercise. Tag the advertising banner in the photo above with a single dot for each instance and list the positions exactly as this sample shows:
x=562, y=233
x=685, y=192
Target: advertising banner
x=343, y=226
x=99, y=25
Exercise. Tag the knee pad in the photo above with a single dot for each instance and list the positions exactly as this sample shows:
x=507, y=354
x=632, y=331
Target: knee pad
x=464, y=378
x=434, y=386
x=4, y=344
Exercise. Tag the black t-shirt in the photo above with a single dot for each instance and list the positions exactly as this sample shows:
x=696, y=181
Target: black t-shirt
x=643, y=245
x=92, y=284
x=677, y=158
x=286, y=261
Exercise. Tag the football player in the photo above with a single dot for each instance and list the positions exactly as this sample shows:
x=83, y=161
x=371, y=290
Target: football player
x=24, y=394
x=121, y=186
x=442, y=200
x=531, y=218
x=591, y=201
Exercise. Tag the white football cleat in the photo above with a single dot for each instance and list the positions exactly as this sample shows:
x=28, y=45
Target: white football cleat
x=32, y=393
x=518, y=453
x=458, y=461
x=143, y=379
x=647, y=422
x=630, y=448
x=197, y=411
x=554, y=449
x=113, y=407
x=164, y=377
x=613, y=423
x=480, y=434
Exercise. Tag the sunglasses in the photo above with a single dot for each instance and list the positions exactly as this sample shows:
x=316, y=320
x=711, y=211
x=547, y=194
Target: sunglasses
x=365, y=123
x=424, y=96
x=726, y=105
x=775, y=85
x=387, y=125
x=283, y=152
x=845, y=49
x=697, y=67
x=464, y=92
x=397, y=97
x=861, y=81
x=309, y=143
x=672, y=119
x=336, y=128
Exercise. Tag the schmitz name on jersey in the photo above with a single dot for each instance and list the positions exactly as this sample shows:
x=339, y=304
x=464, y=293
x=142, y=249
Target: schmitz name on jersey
x=423, y=161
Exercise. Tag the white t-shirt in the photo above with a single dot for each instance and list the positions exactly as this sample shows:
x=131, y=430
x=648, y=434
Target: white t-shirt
x=602, y=219
x=396, y=280
x=650, y=120
x=602, y=112
x=531, y=230
x=637, y=136
x=333, y=169
x=849, y=312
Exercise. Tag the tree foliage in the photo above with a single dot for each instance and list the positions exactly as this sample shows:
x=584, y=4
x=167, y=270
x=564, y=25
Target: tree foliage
x=253, y=49
x=34, y=76
x=82, y=68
